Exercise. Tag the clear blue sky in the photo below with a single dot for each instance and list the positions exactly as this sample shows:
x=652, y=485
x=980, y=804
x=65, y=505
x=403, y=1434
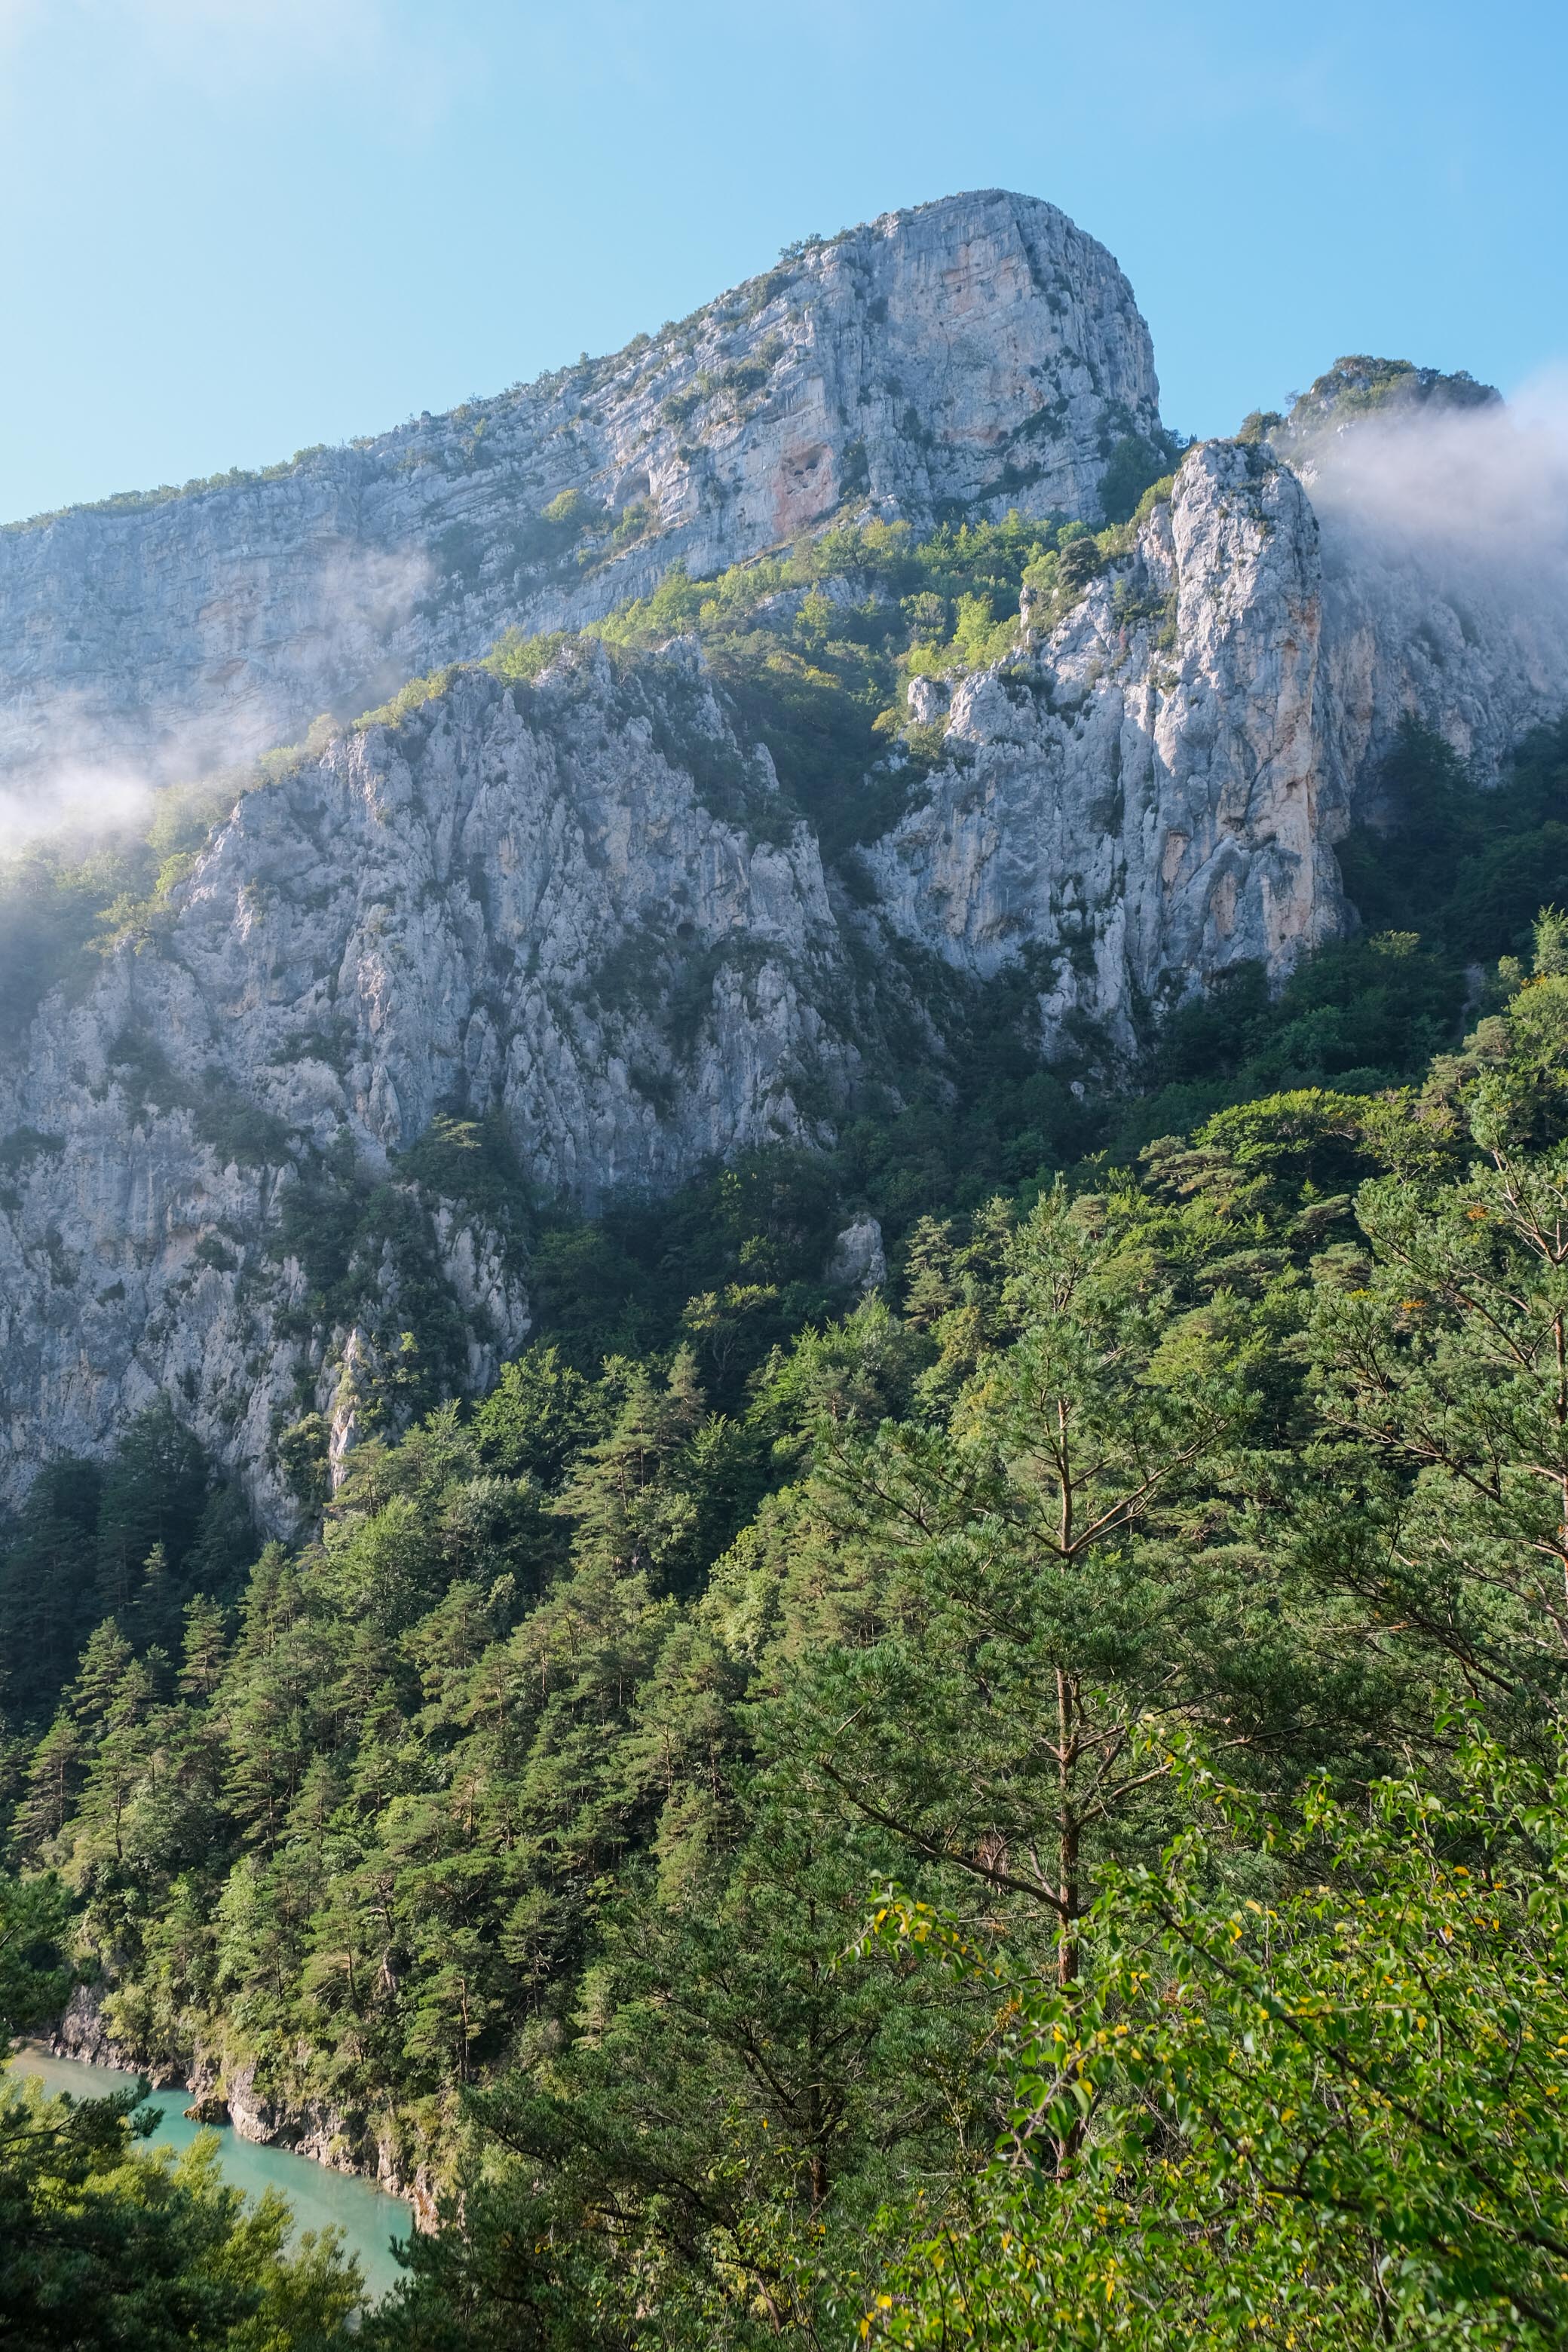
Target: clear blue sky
x=233, y=227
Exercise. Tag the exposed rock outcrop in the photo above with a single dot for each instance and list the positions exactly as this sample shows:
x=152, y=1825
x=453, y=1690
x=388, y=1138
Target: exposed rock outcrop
x=1144, y=802
x=517, y=901
x=979, y=353
x=83, y=2030
x=578, y=908
x=859, y=1262
x=345, y=2141
x=1444, y=521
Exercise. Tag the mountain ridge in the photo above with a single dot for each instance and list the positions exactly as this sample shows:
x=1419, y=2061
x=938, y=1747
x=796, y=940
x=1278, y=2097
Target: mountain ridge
x=179, y=632
x=714, y=876
x=134, y=500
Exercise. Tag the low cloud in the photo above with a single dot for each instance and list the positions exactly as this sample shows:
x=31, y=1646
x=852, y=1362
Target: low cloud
x=76, y=805
x=79, y=762
x=1445, y=545
x=1479, y=491
x=366, y=595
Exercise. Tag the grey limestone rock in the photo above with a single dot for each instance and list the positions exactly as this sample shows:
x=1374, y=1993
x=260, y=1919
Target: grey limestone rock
x=516, y=900
x=859, y=1262
x=579, y=908
x=980, y=352
x=1444, y=519
x=578, y=914
x=1142, y=801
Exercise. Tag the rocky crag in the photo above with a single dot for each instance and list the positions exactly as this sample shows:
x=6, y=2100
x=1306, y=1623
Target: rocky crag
x=1440, y=598
x=974, y=354
x=568, y=897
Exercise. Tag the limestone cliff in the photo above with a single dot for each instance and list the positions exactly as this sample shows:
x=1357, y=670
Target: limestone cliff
x=1144, y=799
x=574, y=903
x=1444, y=562
x=521, y=908
x=579, y=907
x=978, y=352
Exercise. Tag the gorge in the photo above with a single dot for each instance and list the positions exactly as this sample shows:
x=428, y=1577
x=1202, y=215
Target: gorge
x=577, y=896
x=782, y=1319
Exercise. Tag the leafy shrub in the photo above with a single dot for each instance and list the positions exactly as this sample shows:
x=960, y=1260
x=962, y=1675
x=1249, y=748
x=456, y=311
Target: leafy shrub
x=1132, y=466
x=240, y=1131
x=570, y=511
x=519, y=660
x=410, y=697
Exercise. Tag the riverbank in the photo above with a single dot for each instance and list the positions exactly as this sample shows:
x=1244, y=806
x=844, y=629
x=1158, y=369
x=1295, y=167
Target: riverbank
x=320, y=2197
x=220, y=2090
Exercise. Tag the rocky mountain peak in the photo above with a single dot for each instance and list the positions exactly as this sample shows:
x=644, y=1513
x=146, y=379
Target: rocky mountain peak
x=976, y=353
x=925, y=689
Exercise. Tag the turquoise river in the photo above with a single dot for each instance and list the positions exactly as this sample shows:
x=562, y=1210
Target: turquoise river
x=321, y=2198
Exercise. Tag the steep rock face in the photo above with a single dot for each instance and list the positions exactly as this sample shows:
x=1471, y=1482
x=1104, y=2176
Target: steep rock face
x=482, y=905
x=980, y=350
x=1143, y=802
x=582, y=908
x=1459, y=642
x=1445, y=562
x=518, y=901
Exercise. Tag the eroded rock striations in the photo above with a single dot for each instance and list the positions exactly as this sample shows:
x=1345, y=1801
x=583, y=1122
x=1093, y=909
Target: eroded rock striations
x=979, y=353
x=1145, y=805
x=580, y=907
x=525, y=908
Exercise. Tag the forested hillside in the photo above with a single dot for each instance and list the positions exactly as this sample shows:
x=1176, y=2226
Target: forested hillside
x=1019, y=1808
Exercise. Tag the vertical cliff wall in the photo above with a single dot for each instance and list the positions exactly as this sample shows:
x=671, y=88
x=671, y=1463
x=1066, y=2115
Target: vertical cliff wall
x=978, y=352
x=1141, y=799
x=581, y=907
x=572, y=898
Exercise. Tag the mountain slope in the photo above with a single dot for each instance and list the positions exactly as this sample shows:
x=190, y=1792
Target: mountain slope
x=742, y=865
x=568, y=892
x=978, y=352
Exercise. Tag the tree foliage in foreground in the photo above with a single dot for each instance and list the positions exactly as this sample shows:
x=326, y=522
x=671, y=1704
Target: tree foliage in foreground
x=1332, y=2117
x=1168, y=1489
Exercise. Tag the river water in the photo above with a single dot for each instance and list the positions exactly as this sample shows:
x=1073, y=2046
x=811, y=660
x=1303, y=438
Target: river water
x=320, y=2198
